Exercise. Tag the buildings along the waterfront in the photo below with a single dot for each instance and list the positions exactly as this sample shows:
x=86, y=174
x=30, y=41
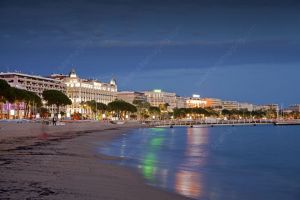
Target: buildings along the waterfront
x=230, y=105
x=158, y=97
x=294, y=108
x=81, y=90
x=195, y=102
x=32, y=83
x=131, y=96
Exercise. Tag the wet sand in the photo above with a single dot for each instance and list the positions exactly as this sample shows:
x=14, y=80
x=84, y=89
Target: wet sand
x=52, y=163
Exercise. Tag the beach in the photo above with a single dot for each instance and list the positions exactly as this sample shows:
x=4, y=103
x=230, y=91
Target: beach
x=47, y=162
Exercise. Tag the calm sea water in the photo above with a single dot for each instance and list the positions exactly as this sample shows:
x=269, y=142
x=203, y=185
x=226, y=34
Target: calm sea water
x=218, y=163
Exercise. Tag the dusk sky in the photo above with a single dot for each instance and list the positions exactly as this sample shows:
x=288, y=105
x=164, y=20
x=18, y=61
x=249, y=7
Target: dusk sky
x=231, y=49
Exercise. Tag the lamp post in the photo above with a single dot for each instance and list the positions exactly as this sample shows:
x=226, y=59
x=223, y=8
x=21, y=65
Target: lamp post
x=96, y=111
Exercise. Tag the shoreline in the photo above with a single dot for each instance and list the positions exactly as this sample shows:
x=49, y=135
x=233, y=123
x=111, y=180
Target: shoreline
x=65, y=165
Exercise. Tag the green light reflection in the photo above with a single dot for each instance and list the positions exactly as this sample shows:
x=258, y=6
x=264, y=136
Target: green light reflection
x=156, y=141
x=149, y=161
x=157, y=129
x=148, y=166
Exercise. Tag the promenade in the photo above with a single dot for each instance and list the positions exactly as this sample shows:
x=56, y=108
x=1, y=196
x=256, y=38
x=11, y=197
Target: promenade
x=203, y=123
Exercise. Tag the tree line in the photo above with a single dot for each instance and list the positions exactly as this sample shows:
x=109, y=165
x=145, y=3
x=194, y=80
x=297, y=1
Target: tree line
x=117, y=108
x=32, y=103
x=30, y=100
x=121, y=109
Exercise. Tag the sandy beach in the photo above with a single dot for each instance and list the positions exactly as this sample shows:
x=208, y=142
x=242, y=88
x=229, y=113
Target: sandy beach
x=45, y=162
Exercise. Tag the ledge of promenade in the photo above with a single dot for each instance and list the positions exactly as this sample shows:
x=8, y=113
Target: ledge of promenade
x=10, y=130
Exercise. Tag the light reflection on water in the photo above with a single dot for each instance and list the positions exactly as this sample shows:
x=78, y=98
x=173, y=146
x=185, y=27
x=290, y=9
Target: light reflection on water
x=215, y=163
x=187, y=182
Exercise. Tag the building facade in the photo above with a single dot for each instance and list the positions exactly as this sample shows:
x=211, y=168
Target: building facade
x=195, y=102
x=294, y=108
x=267, y=107
x=180, y=102
x=246, y=106
x=130, y=96
x=36, y=84
x=32, y=83
x=213, y=102
x=230, y=105
x=81, y=90
x=158, y=97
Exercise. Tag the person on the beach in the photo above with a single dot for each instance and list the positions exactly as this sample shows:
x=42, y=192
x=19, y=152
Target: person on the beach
x=54, y=121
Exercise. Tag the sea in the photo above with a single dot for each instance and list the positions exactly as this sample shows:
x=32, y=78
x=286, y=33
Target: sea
x=214, y=163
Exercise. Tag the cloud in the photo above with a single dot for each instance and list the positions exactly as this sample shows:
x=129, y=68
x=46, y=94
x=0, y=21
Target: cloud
x=205, y=43
x=144, y=43
x=171, y=72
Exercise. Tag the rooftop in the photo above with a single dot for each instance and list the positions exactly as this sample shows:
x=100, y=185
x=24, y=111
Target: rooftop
x=28, y=75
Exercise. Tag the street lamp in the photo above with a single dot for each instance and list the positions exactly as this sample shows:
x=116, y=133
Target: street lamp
x=96, y=111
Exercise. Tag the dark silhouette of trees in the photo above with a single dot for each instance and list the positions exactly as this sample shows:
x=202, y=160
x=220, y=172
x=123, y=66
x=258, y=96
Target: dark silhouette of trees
x=154, y=111
x=4, y=94
x=96, y=106
x=121, y=108
x=55, y=97
x=142, y=108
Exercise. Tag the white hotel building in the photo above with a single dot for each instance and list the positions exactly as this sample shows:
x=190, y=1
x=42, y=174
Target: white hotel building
x=33, y=83
x=82, y=90
x=158, y=97
x=195, y=102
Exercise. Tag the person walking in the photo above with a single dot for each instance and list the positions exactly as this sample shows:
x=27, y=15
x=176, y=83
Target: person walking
x=54, y=121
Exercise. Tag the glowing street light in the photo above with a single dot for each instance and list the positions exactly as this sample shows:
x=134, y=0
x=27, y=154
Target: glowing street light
x=12, y=112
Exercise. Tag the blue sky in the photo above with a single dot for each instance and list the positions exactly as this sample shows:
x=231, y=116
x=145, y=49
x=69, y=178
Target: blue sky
x=246, y=51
